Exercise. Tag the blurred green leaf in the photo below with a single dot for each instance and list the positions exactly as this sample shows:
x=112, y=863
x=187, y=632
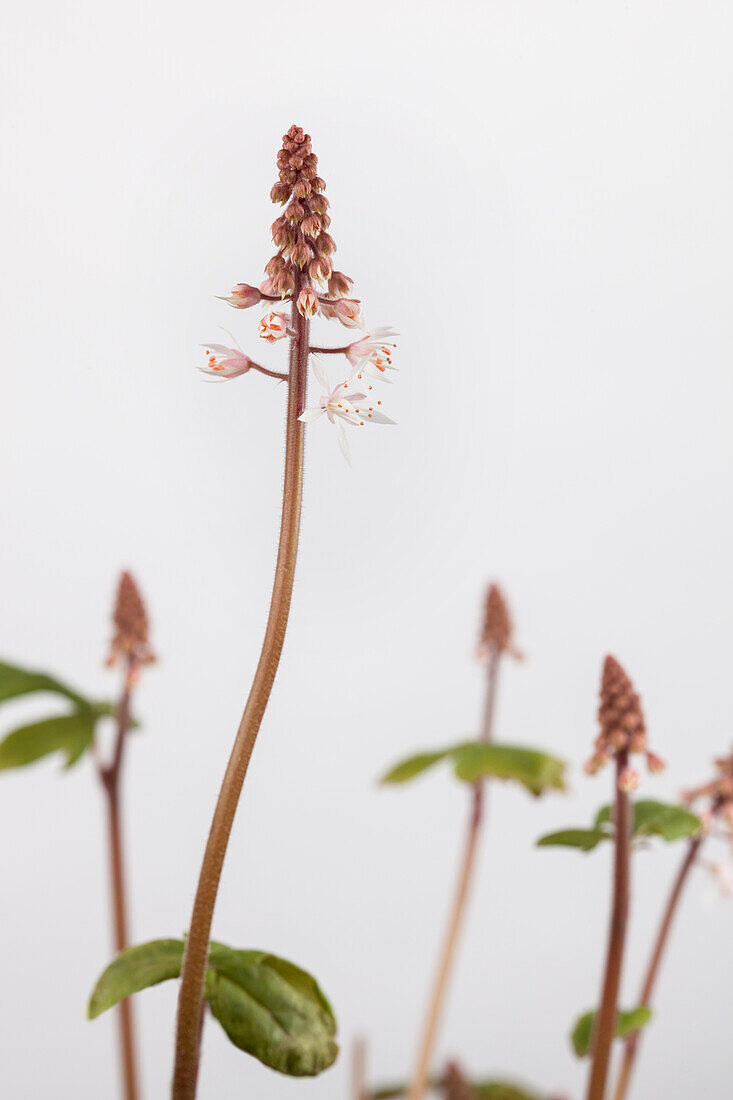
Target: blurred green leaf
x=503, y=1090
x=16, y=681
x=267, y=1006
x=653, y=818
x=626, y=1022
x=414, y=765
x=585, y=839
x=71, y=734
x=535, y=770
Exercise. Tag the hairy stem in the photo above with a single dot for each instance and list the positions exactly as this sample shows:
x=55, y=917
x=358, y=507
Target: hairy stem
x=193, y=973
x=465, y=876
x=110, y=776
x=632, y=1043
x=605, y=1023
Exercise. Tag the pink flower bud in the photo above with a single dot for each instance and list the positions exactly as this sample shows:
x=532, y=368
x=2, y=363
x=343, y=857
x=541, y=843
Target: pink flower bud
x=348, y=311
x=307, y=302
x=283, y=283
x=274, y=266
x=654, y=763
x=242, y=296
x=280, y=192
x=637, y=741
x=273, y=326
x=325, y=245
x=301, y=253
x=311, y=226
x=629, y=780
x=319, y=269
x=339, y=285
x=597, y=761
x=301, y=189
x=266, y=287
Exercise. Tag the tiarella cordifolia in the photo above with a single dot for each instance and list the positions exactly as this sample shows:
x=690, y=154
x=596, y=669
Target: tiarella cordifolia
x=301, y=272
x=623, y=730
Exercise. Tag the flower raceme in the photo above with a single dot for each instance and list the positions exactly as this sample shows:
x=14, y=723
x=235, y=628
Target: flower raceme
x=345, y=402
x=301, y=273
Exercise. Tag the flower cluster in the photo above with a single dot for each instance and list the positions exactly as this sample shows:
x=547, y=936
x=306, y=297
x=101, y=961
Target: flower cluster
x=301, y=272
x=130, y=641
x=496, y=632
x=623, y=730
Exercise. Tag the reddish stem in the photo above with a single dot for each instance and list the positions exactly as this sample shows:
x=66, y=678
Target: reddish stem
x=605, y=1022
x=632, y=1043
x=195, y=959
x=331, y=351
x=110, y=776
x=465, y=876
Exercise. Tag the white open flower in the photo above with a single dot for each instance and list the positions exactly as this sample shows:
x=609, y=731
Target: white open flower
x=372, y=355
x=345, y=403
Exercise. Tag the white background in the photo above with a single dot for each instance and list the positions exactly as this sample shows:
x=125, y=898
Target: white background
x=538, y=196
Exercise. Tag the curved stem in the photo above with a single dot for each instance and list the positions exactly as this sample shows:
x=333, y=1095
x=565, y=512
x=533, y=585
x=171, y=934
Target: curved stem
x=632, y=1043
x=605, y=1024
x=110, y=777
x=193, y=973
x=465, y=876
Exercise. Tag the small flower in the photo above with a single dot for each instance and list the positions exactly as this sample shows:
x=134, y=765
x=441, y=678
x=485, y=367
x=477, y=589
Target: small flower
x=654, y=763
x=224, y=363
x=242, y=296
x=308, y=302
x=273, y=326
x=373, y=353
x=628, y=780
x=346, y=310
x=343, y=403
x=597, y=761
x=339, y=285
x=266, y=287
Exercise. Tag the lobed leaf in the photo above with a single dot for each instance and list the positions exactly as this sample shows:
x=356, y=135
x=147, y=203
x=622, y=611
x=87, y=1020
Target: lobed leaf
x=535, y=770
x=71, y=734
x=626, y=1022
x=585, y=839
x=16, y=681
x=414, y=765
x=267, y=1006
x=652, y=818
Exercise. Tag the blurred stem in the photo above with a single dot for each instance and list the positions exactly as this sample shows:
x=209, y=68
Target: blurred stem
x=465, y=876
x=193, y=973
x=358, y=1069
x=605, y=1024
x=110, y=775
x=632, y=1043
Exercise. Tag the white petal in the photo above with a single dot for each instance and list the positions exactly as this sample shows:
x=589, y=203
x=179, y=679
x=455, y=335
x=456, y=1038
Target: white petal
x=343, y=441
x=376, y=417
x=311, y=414
x=320, y=372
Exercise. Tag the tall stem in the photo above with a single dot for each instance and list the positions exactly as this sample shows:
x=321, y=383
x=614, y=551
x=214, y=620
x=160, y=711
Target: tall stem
x=465, y=876
x=193, y=973
x=605, y=1023
x=110, y=776
x=632, y=1043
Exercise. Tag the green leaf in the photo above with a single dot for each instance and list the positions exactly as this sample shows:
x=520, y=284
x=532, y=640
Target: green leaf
x=626, y=1022
x=16, y=681
x=414, y=765
x=585, y=839
x=68, y=733
x=653, y=818
x=267, y=1006
x=537, y=771
x=503, y=1090
x=133, y=970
